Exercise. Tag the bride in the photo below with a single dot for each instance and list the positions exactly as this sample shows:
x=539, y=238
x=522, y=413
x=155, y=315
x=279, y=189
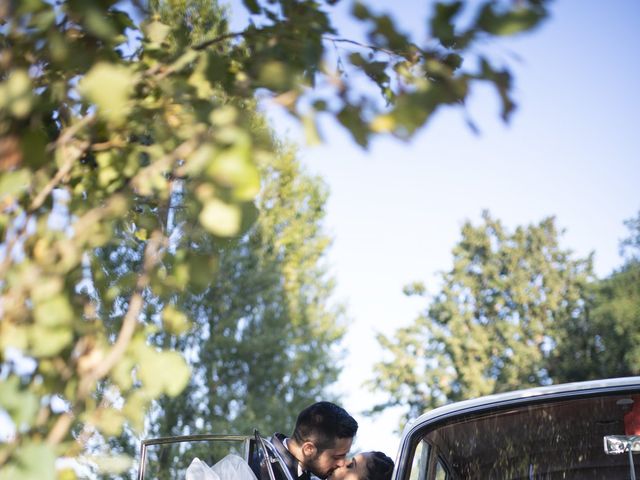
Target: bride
x=231, y=467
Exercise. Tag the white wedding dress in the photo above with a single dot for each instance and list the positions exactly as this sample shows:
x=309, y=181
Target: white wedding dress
x=231, y=467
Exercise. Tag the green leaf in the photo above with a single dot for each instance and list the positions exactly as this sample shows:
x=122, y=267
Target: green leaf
x=48, y=341
x=502, y=81
x=350, y=118
x=30, y=6
x=442, y=26
x=177, y=371
x=33, y=143
x=198, y=79
x=163, y=372
x=276, y=76
x=509, y=22
x=174, y=321
x=21, y=405
x=200, y=159
x=360, y=11
x=108, y=420
x=14, y=183
x=221, y=218
x=66, y=473
x=32, y=461
x=202, y=270
x=216, y=68
x=187, y=58
x=44, y=20
x=109, y=87
x=233, y=168
x=16, y=94
x=46, y=288
x=53, y=312
x=135, y=407
x=253, y=6
x=112, y=464
x=99, y=23
x=384, y=123
x=224, y=116
x=122, y=373
x=16, y=336
x=311, y=130
x=156, y=32
x=107, y=175
x=249, y=216
x=453, y=61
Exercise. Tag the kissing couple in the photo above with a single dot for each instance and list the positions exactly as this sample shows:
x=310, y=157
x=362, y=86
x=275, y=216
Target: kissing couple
x=319, y=445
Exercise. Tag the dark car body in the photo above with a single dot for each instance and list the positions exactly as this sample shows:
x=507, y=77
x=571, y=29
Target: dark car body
x=547, y=432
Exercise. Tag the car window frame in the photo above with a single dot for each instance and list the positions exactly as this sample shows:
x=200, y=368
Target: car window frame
x=205, y=437
x=250, y=443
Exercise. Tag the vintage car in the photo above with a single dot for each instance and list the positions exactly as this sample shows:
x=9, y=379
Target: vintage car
x=586, y=430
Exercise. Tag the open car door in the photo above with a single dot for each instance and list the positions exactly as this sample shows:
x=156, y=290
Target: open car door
x=167, y=458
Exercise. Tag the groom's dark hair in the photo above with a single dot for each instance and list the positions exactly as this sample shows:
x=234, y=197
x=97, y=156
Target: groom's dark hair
x=323, y=423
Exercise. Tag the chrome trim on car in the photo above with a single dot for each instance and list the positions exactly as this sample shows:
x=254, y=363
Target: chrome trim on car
x=617, y=444
x=272, y=456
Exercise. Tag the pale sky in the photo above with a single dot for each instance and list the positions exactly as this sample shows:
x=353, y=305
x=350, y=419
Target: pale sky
x=571, y=151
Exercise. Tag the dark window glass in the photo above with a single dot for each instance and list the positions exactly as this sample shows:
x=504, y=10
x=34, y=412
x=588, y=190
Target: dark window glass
x=561, y=440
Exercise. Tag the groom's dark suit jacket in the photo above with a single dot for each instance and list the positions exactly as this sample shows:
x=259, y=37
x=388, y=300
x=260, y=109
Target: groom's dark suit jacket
x=290, y=461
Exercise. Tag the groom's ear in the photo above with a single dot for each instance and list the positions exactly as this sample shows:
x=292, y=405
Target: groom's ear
x=309, y=449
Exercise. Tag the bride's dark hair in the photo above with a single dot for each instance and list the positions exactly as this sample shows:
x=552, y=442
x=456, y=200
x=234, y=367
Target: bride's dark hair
x=379, y=466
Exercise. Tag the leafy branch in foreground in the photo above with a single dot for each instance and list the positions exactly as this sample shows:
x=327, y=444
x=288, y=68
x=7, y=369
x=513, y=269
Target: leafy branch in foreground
x=102, y=117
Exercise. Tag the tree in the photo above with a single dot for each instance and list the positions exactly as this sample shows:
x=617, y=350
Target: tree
x=104, y=110
x=499, y=322
x=265, y=332
x=630, y=246
x=248, y=346
x=605, y=343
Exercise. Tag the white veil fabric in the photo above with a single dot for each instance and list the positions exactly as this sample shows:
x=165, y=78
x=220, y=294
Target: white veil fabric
x=198, y=470
x=231, y=467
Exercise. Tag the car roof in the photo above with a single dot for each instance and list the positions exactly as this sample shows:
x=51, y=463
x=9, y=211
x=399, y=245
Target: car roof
x=524, y=396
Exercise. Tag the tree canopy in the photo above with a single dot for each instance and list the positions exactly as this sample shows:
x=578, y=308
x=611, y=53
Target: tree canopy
x=604, y=343
x=108, y=113
x=515, y=311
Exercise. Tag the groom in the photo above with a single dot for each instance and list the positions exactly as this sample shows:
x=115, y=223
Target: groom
x=320, y=441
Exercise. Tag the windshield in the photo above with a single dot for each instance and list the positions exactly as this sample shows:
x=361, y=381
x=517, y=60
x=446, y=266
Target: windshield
x=563, y=439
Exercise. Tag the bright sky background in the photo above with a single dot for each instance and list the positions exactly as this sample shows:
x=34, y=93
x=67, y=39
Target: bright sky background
x=571, y=150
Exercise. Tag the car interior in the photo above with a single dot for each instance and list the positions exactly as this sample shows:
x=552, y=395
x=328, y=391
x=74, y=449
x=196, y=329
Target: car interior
x=563, y=439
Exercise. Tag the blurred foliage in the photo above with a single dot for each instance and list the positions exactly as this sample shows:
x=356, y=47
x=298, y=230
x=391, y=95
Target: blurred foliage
x=109, y=112
x=264, y=341
x=515, y=311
